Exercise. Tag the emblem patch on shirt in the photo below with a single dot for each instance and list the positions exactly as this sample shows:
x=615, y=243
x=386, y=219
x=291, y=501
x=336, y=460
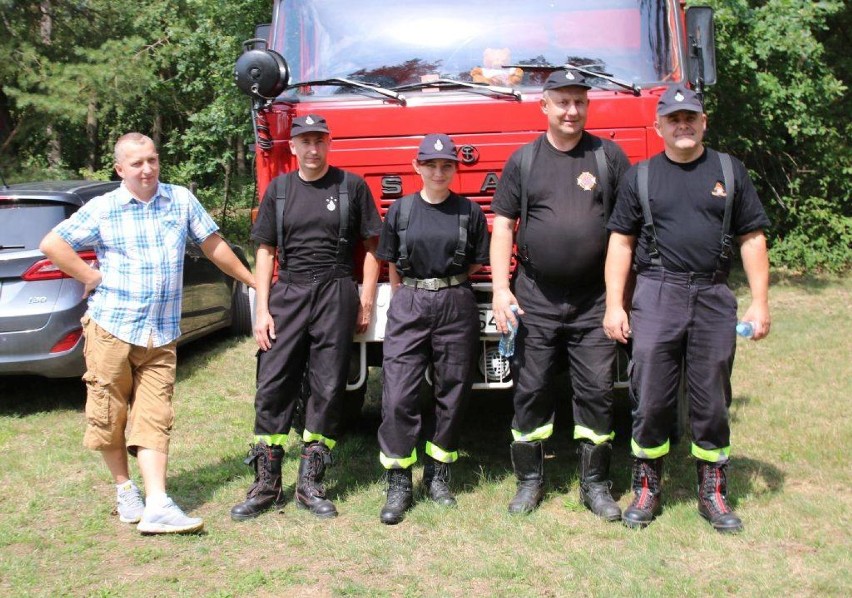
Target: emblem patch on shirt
x=719, y=190
x=587, y=181
x=331, y=203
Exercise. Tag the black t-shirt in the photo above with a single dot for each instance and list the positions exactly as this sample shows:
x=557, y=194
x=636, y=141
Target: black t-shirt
x=312, y=219
x=688, y=205
x=433, y=235
x=566, y=229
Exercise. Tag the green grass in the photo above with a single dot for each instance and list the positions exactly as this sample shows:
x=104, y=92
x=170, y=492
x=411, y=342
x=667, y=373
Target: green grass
x=790, y=481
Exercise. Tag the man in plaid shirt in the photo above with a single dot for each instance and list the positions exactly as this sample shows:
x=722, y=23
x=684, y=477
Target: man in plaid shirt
x=139, y=234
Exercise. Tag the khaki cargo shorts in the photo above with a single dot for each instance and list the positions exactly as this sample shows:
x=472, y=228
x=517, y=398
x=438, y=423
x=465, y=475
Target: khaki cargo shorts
x=128, y=392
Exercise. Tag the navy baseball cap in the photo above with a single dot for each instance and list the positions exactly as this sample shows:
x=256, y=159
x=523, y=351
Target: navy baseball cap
x=678, y=97
x=566, y=78
x=435, y=146
x=311, y=123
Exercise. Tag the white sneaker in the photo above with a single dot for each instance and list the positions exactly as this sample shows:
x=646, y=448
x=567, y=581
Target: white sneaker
x=129, y=503
x=168, y=519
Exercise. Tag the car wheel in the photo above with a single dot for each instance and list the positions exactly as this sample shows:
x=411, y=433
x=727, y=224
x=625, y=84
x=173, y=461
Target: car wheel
x=241, y=311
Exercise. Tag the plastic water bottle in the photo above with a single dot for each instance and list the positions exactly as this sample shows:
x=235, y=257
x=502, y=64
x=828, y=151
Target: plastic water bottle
x=507, y=339
x=745, y=329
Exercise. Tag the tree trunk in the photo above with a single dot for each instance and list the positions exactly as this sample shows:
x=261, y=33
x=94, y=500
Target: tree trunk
x=46, y=25
x=157, y=129
x=240, y=147
x=54, y=146
x=227, y=191
x=92, y=162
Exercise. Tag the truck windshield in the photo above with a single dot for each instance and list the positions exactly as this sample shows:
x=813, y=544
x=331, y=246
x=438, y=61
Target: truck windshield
x=390, y=44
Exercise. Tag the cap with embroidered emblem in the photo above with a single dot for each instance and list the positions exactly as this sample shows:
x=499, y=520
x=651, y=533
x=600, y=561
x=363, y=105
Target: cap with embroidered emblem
x=678, y=97
x=310, y=123
x=566, y=78
x=437, y=146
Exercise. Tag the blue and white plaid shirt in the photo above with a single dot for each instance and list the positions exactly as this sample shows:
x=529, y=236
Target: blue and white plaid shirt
x=140, y=248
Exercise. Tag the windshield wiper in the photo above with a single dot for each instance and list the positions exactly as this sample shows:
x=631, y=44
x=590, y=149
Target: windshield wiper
x=632, y=87
x=354, y=84
x=506, y=92
x=2, y=247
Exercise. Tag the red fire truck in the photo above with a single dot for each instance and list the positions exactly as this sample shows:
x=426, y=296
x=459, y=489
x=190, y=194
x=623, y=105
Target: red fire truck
x=386, y=73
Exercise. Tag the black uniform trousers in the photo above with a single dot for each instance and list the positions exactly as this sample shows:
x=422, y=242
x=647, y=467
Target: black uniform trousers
x=425, y=327
x=560, y=322
x=315, y=316
x=679, y=317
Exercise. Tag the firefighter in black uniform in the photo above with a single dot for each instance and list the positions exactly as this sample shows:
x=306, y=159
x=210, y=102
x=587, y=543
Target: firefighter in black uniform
x=313, y=217
x=433, y=240
x=669, y=222
x=560, y=186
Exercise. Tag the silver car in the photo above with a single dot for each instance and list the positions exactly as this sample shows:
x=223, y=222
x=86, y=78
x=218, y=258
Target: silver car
x=40, y=307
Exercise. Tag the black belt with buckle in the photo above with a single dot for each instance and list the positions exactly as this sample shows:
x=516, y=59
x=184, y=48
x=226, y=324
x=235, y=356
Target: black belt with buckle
x=435, y=284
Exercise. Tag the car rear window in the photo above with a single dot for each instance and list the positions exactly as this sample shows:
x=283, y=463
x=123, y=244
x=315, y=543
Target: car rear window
x=23, y=224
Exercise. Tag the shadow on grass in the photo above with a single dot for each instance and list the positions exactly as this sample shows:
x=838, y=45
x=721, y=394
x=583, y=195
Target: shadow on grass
x=26, y=395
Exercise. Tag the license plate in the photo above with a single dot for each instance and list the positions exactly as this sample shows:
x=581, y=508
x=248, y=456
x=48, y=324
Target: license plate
x=487, y=325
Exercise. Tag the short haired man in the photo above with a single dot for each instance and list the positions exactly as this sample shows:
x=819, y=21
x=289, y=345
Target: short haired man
x=558, y=289
x=682, y=309
x=313, y=217
x=139, y=234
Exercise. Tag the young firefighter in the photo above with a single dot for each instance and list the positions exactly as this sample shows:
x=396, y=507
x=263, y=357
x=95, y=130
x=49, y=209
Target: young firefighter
x=313, y=216
x=670, y=224
x=434, y=240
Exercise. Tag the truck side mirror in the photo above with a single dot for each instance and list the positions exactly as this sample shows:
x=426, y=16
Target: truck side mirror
x=261, y=73
x=701, y=37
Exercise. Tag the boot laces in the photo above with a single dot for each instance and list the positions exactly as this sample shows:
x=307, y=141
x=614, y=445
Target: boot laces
x=399, y=488
x=648, y=485
x=260, y=459
x=317, y=459
x=714, y=489
x=440, y=474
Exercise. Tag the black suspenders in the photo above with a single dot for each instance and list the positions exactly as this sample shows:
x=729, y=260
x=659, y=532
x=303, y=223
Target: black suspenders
x=343, y=242
x=727, y=238
x=405, y=206
x=527, y=157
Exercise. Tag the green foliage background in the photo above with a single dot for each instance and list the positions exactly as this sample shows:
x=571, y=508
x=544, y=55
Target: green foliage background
x=76, y=75
x=781, y=105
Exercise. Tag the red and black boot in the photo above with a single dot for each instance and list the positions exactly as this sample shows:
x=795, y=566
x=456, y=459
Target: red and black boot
x=266, y=492
x=310, y=493
x=647, y=486
x=713, y=498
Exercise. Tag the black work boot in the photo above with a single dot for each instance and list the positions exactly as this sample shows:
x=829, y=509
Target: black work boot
x=647, y=479
x=436, y=480
x=310, y=493
x=712, y=498
x=595, y=484
x=400, y=496
x=265, y=493
x=528, y=462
